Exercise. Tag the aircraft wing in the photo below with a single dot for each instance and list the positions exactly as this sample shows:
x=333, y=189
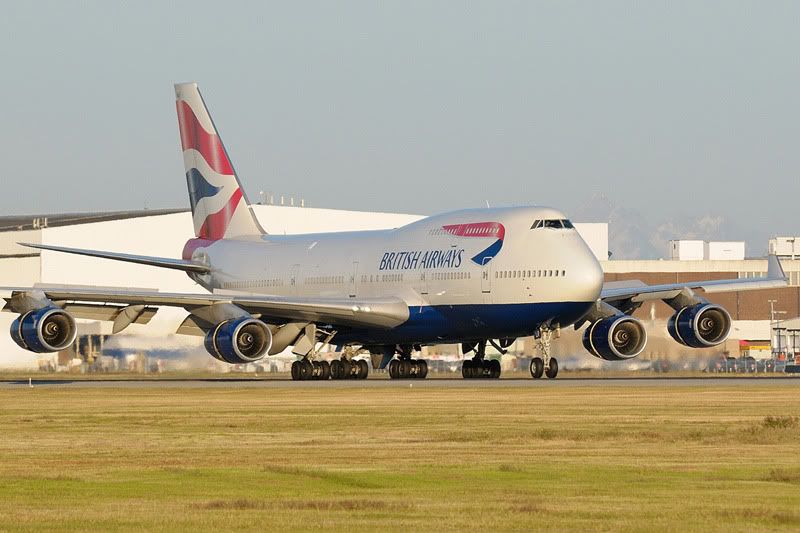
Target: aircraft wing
x=377, y=312
x=637, y=292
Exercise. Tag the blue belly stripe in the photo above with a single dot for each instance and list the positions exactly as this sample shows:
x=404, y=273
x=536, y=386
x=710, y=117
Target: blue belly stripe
x=456, y=323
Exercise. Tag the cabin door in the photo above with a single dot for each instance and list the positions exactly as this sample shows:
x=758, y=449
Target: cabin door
x=486, y=276
x=354, y=281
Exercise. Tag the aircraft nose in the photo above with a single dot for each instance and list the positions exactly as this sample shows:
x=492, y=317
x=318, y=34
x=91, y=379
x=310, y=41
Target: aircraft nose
x=589, y=278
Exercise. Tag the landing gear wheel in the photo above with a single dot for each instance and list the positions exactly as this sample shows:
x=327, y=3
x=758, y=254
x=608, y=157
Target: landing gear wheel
x=466, y=369
x=537, y=367
x=306, y=370
x=494, y=369
x=405, y=369
x=394, y=369
x=296, y=371
x=363, y=369
x=347, y=369
x=325, y=370
x=552, y=368
x=337, y=371
x=423, y=369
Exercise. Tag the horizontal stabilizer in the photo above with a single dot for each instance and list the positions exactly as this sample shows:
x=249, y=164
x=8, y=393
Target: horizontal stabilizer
x=161, y=262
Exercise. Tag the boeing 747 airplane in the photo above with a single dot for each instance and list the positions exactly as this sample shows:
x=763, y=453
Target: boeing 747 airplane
x=473, y=277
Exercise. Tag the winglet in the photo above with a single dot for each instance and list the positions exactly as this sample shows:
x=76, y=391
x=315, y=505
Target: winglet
x=774, y=268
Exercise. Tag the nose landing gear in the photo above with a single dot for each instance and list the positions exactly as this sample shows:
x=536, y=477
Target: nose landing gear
x=546, y=364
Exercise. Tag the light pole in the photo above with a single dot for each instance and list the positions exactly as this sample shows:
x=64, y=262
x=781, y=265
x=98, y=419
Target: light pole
x=775, y=324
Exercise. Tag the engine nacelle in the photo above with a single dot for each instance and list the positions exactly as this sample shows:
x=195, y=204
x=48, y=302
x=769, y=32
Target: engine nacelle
x=239, y=341
x=700, y=326
x=50, y=329
x=615, y=338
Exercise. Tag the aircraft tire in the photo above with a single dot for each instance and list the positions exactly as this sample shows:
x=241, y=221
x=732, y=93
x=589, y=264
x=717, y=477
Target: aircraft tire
x=466, y=369
x=347, y=369
x=494, y=369
x=336, y=369
x=363, y=369
x=552, y=368
x=296, y=371
x=537, y=367
x=325, y=370
x=306, y=370
x=393, y=368
x=423, y=369
x=405, y=369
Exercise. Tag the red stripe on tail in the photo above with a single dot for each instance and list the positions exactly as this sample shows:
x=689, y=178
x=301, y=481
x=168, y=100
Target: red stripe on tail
x=193, y=135
x=216, y=224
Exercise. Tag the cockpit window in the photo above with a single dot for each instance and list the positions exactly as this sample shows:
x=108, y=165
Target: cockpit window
x=553, y=224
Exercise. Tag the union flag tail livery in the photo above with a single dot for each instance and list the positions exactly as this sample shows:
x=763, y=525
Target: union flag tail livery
x=220, y=208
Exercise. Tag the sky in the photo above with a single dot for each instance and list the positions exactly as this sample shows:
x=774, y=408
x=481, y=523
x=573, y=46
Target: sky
x=677, y=111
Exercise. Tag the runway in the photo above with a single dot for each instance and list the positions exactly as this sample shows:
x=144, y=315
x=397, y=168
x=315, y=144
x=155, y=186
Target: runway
x=382, y=383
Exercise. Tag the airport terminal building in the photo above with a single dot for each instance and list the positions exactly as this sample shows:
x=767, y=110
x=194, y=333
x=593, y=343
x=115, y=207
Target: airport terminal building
x=164, y=232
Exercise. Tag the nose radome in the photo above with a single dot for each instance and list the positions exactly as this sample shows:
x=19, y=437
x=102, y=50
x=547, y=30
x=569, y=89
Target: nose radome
x=589, y=282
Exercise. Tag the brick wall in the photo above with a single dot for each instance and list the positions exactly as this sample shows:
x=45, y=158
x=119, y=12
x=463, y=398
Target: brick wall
x=747, y=305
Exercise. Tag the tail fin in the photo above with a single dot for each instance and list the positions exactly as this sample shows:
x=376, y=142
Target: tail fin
x=219, y=206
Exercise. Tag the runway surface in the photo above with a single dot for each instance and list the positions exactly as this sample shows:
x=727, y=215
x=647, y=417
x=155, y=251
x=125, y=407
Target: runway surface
x=382, y=383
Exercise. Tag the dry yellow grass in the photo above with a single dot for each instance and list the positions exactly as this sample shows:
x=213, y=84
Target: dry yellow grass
x=585, y=457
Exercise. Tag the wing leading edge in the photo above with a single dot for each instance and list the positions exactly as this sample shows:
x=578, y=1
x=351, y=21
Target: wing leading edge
x=635, y=291
x=378, y=312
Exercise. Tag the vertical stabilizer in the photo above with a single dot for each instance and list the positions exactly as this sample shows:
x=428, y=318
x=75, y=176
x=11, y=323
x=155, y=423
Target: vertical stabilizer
x=219, y=206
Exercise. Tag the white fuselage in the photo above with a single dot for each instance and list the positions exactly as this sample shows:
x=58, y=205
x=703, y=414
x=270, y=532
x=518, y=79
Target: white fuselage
x=482, y=273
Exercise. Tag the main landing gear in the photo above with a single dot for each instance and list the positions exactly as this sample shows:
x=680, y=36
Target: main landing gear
x=344, y=368
x=349, y=369
x=405, y=367
x=545, y=365
x=337, y=369
x=408, y=369
x=478, y=366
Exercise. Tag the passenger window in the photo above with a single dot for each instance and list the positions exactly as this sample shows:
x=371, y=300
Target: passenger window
x=563, y=273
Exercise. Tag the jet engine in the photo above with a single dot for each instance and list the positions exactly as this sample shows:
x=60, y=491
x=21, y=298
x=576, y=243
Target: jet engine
x=615, y=338
x=49, y=329
x=700, y=326
x=238, y=341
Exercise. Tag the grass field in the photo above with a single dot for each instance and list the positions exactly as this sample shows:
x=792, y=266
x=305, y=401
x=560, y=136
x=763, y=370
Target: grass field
x=725, y=458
